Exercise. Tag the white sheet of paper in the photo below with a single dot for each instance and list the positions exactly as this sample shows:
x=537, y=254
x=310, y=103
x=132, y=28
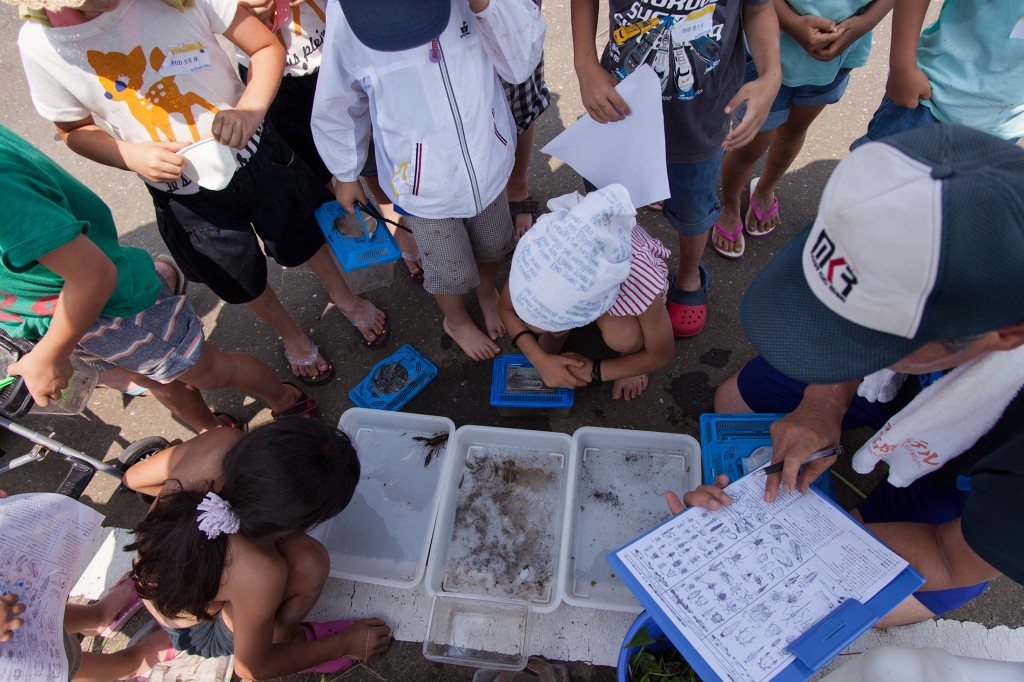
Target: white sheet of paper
x=630, y=152
x=42, y=537
x=1018, y=29
x=744, y=581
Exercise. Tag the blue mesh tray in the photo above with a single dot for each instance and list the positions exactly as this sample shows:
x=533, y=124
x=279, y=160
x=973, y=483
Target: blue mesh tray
x=420, y=372
x=526, y=393
x=356, y=253
x=726, y=439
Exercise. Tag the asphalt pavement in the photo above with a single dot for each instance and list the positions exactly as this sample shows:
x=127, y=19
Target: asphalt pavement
x=673, y=402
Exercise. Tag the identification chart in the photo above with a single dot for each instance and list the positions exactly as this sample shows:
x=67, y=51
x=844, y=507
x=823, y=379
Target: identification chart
x=42, y=538
x=743, y=582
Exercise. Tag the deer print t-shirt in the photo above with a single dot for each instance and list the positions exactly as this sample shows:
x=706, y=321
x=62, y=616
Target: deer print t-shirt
x=146, y=71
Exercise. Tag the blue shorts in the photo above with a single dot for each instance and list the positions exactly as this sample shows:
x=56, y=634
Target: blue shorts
x=890, y=118
x=796, y=96
x=693, y=206
x=927, y=500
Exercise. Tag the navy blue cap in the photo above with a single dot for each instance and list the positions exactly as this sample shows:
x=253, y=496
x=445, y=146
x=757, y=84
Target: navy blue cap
x=395, y=25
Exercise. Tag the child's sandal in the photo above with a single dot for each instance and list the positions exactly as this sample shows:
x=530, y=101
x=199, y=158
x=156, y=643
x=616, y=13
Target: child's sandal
x=321, y=630
x=302, y=406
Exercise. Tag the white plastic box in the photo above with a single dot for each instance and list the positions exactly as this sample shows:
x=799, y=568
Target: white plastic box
x=497, y=542
x=383, y=535
x=617, y=480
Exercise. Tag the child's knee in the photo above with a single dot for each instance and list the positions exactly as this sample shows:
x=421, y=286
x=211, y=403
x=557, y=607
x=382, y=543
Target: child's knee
x=621, y=334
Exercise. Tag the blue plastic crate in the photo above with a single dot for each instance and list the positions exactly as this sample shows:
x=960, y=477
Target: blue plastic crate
x=356, y=253
x=420, y=373
x=531, y=395
x=727, y=439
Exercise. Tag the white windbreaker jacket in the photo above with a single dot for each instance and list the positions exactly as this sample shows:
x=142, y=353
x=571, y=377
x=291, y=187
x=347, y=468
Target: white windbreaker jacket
x=443, y=133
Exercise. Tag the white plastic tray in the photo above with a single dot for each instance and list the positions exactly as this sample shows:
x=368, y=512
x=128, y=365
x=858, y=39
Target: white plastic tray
x=383, y=535
x=477, y=554
x=617, y=480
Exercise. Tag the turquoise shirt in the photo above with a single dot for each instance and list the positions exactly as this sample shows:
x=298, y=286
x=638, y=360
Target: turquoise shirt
x=975, y=68
x=799, y=67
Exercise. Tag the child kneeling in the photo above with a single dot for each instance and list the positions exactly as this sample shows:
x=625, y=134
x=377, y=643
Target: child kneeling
x=224, y=564
x=589, y=261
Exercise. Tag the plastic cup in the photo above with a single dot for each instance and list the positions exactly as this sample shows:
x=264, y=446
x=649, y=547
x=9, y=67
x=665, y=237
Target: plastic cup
x=209, y=163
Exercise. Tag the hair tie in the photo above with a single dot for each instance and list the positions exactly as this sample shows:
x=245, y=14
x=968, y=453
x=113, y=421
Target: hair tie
x=217, y=516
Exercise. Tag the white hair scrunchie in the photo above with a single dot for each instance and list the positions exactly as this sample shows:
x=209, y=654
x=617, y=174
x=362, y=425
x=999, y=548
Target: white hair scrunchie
x=217, y=516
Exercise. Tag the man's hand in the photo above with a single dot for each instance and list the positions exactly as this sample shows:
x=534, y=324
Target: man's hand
x=155, y=161
x=348, y=193
x=10, y=616
x=711, y=497
x=795, y=437
x=759, y=95
x=601, y=99
x=45, y=375
x=234, y=127
x=814, y=33
x=907, y=87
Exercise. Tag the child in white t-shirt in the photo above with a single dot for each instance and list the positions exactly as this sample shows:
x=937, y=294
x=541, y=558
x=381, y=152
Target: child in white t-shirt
x=153, y=74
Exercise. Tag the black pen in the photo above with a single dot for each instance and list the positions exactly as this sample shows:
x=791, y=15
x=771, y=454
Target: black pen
x=820, y=454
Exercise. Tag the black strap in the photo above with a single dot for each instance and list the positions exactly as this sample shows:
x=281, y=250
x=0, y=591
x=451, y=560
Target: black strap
x=374, y=212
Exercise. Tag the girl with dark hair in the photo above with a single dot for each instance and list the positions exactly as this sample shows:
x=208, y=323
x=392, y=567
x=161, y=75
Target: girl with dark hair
x=224, y=564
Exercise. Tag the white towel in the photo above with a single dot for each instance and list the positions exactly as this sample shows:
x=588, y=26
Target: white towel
x=945, y=419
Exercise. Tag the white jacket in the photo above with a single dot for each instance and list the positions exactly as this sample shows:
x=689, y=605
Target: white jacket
x=443, y=133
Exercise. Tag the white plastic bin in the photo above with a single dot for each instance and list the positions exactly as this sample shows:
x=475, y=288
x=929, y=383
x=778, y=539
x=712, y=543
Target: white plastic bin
x=617, y=480
x=899, y=664
x=383, y=536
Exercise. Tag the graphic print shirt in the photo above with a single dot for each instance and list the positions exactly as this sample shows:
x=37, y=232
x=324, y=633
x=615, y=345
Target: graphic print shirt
x=147, y=71
x=695, y=48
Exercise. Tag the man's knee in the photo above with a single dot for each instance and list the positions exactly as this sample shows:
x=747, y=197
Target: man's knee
x=728, y=399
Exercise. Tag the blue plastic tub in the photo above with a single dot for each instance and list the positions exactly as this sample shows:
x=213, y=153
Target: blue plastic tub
x=644, y=620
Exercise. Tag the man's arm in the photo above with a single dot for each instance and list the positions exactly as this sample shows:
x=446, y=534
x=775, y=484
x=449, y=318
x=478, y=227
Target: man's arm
x=814, y=425
x=761, y=28
x=597, y=86
x=89, y=280
x=907, y=85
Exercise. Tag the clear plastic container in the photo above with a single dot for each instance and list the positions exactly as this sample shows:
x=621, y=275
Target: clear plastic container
x=483, y=634
x=73, y=399
x=367, y=279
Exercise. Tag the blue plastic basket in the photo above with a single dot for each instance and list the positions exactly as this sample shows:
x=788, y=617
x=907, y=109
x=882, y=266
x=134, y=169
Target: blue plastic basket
x=727, y=439
x=421, y=372
x=356, y=253
x=528, y=398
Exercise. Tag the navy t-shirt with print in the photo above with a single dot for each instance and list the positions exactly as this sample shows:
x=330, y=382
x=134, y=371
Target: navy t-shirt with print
x=696, y=49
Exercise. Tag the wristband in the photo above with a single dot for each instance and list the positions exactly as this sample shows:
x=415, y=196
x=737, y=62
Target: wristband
x=595, y=373
x=525, y=331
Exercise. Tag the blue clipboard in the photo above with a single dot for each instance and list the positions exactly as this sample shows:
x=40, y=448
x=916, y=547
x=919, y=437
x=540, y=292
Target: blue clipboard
x=816, y=647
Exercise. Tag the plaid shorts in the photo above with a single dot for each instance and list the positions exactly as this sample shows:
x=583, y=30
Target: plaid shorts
x=451, y=247
x=530, y=99
x=162, y=342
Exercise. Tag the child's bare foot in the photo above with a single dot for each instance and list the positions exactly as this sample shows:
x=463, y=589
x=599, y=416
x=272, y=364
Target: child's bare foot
x=629, y=387
x=365, y=640
x=492, y=320
x=367, y=318
x=471, y=340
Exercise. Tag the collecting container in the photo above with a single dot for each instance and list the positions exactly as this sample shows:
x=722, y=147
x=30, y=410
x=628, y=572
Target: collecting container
x=383, y=535
x=16, y=401
x=496, y=544
x=617, y=480
x=518, y=391
x=394, y=381
x=365, y=251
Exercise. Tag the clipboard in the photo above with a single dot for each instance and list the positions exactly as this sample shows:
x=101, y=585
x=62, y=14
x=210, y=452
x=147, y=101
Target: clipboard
x=815, y=648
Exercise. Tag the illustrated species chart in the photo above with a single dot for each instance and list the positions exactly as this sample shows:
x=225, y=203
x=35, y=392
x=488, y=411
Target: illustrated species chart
x=743, y=582
x=42, y=538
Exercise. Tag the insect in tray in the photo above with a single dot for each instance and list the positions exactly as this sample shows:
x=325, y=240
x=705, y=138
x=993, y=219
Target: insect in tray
x=434, y=444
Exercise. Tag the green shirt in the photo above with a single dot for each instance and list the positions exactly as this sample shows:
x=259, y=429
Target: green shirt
x=42, y=207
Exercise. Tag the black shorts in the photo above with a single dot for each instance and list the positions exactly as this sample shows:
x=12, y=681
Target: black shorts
x=213, y=235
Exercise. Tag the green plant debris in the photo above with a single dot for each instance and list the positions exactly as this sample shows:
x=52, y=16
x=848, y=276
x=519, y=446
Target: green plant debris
x=593, y=583
x=664, y=664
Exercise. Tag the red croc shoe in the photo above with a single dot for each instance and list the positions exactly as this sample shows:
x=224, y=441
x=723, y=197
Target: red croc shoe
x=688, y=309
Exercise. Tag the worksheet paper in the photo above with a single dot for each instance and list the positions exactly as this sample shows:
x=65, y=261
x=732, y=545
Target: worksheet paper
x=42, y=538
x=630, y=152
x=743, y=582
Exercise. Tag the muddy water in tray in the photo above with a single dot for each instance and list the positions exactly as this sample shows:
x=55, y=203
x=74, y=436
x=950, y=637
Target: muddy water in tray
x=502, y=544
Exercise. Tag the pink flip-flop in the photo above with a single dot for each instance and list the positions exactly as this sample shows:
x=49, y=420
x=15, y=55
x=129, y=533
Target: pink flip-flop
x=130, y=608
x=761, y=217
x=735, y=236
x=317, y=631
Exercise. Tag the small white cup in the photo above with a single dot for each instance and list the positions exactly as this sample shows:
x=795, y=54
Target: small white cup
x=209, y=163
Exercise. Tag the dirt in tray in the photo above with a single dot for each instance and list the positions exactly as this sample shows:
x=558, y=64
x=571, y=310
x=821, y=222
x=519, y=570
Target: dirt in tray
x=390, y=378
x=503, y=539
